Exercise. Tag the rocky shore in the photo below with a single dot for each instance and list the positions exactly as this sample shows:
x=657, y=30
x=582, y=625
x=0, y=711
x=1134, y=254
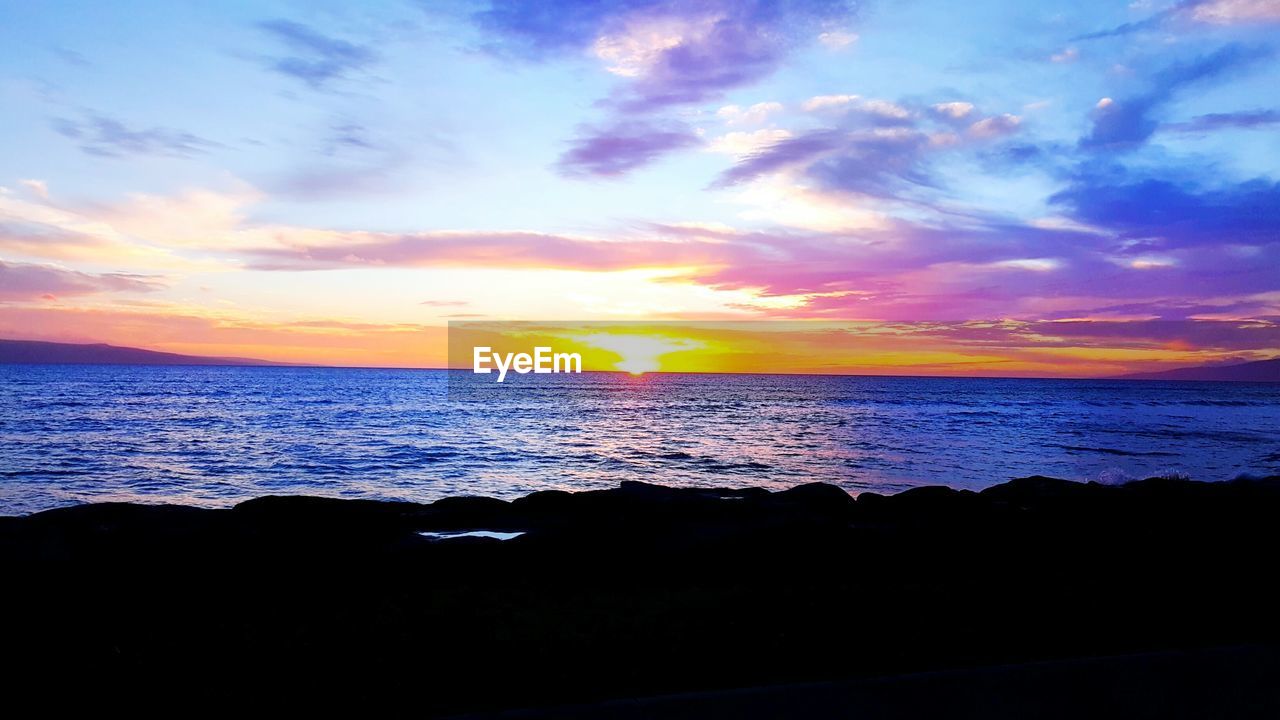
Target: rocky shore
x=596, y=599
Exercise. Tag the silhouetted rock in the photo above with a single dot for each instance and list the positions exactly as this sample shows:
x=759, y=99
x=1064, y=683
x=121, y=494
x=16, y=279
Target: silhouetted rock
x=641, y=589
x=1037, y=489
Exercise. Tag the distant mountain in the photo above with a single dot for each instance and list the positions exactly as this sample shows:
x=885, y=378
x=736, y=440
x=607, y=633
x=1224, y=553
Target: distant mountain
x=1257, y=371
x=34, y=352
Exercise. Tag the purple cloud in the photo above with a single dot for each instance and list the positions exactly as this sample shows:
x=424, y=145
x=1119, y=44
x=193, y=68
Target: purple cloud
x=1226, y=121
x=904, y=272
x=535, y=29
x=1190, y=12
x=108, y=137
x=623, y=147
x=1167, y=213
x=873, y=153
x=1220, y=335
x=32, y=238
x=1128, y=122
x=498, y=249
x=1175, y=309
x=800, y=150
x=1215, y=335
x=876, y=164
x=732, y=52
x=318, y=59
x=665, y=53
x=719, y=44
x=22, y=281
x=1149, y=23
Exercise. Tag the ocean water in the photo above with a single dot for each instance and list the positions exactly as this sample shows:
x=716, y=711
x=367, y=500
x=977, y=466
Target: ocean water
x=214, y=436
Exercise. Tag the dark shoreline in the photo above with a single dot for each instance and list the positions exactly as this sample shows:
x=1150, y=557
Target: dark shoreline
x=648, y=591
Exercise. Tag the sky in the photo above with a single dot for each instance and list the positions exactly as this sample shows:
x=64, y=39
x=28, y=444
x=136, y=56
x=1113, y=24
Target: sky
x=1075, y=189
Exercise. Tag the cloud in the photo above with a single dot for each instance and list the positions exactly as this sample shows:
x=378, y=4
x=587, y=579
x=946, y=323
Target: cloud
x=45, y=240
x=318, y=59
x=781, y=199
x=347, y=136
x=838, y=39
x=318, y=250
x=874, y=264
x=1182, y=309
x=188, y=218
x=753, y=115
x=20, y=281
x=876, y=162
x=664, y=54
x=870, y=262
x=1177, y=11
x=71, y=57
x=995, y=126
x=856, y=103
x=1068, y=55
x=1029, y=346
x=41, y=229
x=788, y=153
x=39, y=188
x=741, y=145
x=107, y=137
x=1193, y=13
x=822, y=102
x=201, y=332
x=873, y=148
x=352, y=159
x=1225, y=121
x=1148, y=23
x=1125, y=123
x=142, y=230
x=667, y=53
x=952, y=111
x=1123, y=238
x=1161, y=212
x=622, y=147
x=1230, y=12
x=1252, y=339
x=1214, y=335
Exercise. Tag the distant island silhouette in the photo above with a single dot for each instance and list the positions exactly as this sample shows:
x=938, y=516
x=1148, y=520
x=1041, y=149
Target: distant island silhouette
x=38, y=352
x=1256, y=371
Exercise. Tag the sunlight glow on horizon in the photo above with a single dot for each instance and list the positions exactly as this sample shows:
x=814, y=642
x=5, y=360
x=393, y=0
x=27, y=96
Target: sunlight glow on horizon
x=639, y=353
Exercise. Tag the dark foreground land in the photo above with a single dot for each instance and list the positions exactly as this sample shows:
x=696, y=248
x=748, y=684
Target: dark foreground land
x=1035, y=598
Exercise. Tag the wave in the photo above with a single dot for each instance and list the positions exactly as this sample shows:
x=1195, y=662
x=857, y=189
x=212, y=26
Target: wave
x=1115, y=451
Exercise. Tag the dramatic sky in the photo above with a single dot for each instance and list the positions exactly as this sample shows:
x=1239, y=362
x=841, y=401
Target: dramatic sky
x=1065, y=188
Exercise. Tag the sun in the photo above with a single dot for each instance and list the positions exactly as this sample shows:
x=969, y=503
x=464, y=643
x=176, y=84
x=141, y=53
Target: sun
x=638, y=366
x=640, y=353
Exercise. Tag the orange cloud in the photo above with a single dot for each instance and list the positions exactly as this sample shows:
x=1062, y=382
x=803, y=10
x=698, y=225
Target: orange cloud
x=322, y=342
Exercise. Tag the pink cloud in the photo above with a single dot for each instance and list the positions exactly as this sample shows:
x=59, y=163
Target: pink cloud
x=21, y=281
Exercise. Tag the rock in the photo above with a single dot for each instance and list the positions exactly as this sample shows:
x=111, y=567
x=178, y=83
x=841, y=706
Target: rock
x=636, y=590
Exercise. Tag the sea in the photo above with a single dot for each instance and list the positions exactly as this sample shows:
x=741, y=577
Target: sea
x=215, y=436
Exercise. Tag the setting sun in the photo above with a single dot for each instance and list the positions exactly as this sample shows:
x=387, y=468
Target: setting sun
x=639, y=353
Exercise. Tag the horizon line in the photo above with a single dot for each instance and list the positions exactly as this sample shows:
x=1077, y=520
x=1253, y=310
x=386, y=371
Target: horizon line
x=274, y=364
